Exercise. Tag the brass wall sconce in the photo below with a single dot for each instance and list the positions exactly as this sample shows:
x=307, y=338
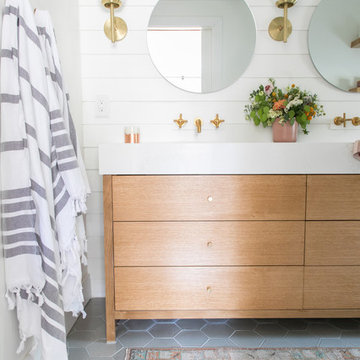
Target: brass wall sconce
x=180, y=122
x=338, y=121
x=217, y=122
x=115, y=28
x=281, y=28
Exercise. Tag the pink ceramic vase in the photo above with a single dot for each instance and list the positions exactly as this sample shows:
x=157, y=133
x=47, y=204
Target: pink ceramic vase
x=284, y=132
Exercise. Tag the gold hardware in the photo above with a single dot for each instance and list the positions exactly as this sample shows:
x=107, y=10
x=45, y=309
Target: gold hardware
x=198, y=124
x=210, y=199
x=180, y=122
x=209, y=244
x=217, y=122
x=342, y=120
x=209, y=290
x=280, y=28
x=115, y=28
x=356, y=43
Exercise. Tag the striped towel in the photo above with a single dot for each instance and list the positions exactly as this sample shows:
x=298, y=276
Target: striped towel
x=43, y=189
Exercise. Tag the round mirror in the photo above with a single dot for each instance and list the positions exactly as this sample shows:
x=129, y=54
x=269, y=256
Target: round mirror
x=201, y=46
x=334, y=43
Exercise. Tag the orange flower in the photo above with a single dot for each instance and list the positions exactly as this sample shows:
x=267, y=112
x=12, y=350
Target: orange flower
x=309, y=118
x=274, y=94
x=312, y=109
x=279, y=105
x=293, y=85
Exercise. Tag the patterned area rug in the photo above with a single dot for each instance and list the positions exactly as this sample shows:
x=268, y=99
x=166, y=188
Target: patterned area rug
x=243, y=354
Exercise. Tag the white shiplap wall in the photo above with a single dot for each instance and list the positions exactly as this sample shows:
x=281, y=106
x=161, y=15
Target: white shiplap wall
x=140, y=96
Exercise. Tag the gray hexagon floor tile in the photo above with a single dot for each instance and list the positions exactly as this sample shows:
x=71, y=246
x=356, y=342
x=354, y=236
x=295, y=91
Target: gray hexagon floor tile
x=337, y=343
x=246, y=339
x=163, y=343
x=242, y=324
x=270, y=329
x=293, y=324
x=276, y=342
x=302, y=338
x=89, y=323
x=78, y=339
x=135, y=338
x=120, y=330
x=188, y=338
x=217, y=331
x=139, y=324
x=101, y=348
x=120, y=355
x=215, y=343
x=351, y=337
x=191, y=324
x=95, y=307
x=166, y=320
x=164, y=330
x=78, y=354
x=324, y=330
x=216, y=321
x=345, y=324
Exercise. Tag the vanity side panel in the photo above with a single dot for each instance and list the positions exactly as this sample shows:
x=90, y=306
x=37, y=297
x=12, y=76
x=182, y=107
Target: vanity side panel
x=109, y=259
x=191, y=198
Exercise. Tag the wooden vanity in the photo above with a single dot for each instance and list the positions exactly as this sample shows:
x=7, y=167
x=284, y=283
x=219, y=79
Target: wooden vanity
x=231, y=246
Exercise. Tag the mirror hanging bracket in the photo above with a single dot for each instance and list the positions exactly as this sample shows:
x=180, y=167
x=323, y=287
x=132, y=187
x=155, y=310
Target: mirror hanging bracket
x=115, y=28
x=280, y=28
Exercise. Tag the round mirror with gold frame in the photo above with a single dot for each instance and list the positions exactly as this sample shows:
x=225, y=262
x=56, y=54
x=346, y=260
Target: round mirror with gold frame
x=201, y=46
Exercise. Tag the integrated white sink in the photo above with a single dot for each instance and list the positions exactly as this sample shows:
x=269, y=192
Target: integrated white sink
x=227, y=158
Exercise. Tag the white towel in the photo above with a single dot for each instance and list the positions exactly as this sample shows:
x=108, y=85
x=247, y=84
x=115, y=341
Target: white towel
x=43, y=189
x=68, y=165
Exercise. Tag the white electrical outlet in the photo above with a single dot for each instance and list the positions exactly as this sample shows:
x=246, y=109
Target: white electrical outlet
x=102, y=106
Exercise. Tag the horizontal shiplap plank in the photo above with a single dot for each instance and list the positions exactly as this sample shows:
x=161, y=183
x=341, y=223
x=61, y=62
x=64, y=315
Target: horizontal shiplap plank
x=141, y=67
x=95, y=180
x=91, y=158
x=95, y=203
x=95, y=247
x=95, y=225
x=126, y=113
x=100, y=134
x=161, y=90
x=95, y=42
x=137, y=18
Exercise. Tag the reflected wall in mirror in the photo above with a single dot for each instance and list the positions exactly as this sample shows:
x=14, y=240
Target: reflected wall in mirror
x=335, y=25
x=201, y=46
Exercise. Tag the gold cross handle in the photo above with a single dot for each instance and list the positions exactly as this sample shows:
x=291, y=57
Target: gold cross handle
x=180, y=122
x=342, y=120
x=217, y=122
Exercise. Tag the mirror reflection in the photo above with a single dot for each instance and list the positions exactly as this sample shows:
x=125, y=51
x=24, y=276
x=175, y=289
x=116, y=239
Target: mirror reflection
x=201, y=46
x=334, y=28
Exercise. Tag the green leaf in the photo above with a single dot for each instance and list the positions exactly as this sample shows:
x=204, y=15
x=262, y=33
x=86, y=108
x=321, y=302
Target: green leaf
x=264, y=118
x=307, y=108
x=291, y=114
x=266, y=110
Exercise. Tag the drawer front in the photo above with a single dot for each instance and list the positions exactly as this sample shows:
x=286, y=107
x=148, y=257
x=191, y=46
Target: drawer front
x=167, y=198
x=209, y=243
x=332, y=243
x=332, y=287
x=333, y=197
x=232, y=288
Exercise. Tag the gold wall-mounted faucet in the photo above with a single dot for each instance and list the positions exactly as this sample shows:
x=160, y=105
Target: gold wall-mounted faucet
x=198, y=124
x=342, y=120
x=217, y=122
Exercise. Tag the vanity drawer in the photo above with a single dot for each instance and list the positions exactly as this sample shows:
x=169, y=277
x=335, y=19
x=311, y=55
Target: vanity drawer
x=225, y=243
x=230, y=288
x=332, y=243
x=332, y=287
x=333, y=197
x=247, y=197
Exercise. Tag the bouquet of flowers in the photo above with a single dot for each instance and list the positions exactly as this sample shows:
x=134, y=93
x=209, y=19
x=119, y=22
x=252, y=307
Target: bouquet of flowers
x=269, y=103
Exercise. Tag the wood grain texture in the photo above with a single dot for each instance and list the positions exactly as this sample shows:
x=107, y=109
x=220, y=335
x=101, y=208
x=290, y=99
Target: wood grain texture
x=209, y=243
x=242, y=314
x=181, y=198
x=109, y=259
x=230, y=288
x=333, y=197
x=332, y=243
x=332, y=287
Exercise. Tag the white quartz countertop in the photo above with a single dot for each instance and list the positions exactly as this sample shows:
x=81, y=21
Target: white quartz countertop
x=227, y=158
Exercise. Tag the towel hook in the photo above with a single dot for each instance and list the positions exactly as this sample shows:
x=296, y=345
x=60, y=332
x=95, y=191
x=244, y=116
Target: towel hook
x=115, y=28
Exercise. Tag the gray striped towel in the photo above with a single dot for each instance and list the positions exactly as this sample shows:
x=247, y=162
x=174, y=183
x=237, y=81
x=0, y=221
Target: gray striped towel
x=43, y=189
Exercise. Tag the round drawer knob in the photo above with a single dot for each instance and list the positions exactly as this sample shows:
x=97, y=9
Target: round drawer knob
x=210, y=244
x=210, y=199
x=209, y=289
